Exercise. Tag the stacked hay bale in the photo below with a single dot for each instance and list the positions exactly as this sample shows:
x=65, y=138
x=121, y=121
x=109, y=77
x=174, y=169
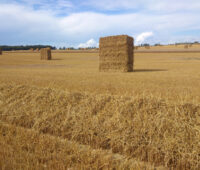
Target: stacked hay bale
x=186, y=46
x=116, y=53
x=0, y=51
x=45, y=54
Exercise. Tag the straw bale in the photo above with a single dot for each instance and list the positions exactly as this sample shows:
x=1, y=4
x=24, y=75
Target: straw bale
x=0, y=51
x=116, y=53
x=186, y=46
x=37, y=50
x=147, y=47
x=45, y=54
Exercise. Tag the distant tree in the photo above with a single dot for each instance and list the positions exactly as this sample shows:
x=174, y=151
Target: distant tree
x=70, y=48
x=145, y=45
x=26, y=47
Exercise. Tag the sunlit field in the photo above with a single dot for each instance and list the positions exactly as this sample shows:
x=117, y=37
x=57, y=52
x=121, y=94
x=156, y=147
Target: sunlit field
x=170, y=76
x=64, y=113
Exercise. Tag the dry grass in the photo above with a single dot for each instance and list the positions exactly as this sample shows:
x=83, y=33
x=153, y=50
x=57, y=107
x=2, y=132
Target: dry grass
x=33, y=150
x=144, y=119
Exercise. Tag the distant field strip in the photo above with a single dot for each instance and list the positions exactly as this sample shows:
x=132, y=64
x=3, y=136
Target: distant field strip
x=168, y=51
x=136, y=51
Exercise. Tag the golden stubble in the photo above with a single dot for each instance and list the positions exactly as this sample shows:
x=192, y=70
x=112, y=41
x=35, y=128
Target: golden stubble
x=64, y=113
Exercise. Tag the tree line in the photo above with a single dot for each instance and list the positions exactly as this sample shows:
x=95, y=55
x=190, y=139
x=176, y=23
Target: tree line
x=26, y=47
x=34, y=47
x=158, y=44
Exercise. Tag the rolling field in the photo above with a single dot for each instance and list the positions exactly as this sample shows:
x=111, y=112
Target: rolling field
x=65, y=114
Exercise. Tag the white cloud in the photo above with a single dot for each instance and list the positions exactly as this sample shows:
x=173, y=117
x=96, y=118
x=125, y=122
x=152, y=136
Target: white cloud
x=89, y=43
x=53, y=6
x=142, y=37
x=23, y=24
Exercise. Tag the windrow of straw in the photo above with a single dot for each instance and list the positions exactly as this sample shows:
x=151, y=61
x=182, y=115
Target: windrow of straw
x=144, y=128
x=116, y=53
x=33, y=150
x=45, y=54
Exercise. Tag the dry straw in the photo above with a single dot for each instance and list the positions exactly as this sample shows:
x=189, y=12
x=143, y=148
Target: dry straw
x=116, y=53
x=45, y=54
x=145, y=128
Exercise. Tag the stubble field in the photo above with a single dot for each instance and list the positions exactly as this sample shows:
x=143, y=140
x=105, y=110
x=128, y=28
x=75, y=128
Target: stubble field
x=64, y=113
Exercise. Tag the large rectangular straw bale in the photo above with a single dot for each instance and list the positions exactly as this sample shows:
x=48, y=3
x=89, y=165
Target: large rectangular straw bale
x=116, y=53
x=45, y=54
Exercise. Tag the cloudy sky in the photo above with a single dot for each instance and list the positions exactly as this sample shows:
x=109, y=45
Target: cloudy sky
x=80, y=23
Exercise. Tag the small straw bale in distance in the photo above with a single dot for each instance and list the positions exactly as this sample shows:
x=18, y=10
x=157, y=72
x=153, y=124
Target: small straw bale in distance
x=186, y=46
x=147, y=47
x=45, y=54
x=37, y=50
x=116, y=53
x=0, y=51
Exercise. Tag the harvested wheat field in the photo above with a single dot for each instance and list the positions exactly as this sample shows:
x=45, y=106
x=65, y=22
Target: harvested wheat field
x=65, y=114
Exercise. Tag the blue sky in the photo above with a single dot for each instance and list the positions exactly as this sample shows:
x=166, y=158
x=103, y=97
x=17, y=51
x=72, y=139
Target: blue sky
x=81, y=23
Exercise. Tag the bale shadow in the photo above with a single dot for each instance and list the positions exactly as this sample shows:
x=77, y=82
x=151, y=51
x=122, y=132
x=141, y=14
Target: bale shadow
x=148, y=70
x=56, y=59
